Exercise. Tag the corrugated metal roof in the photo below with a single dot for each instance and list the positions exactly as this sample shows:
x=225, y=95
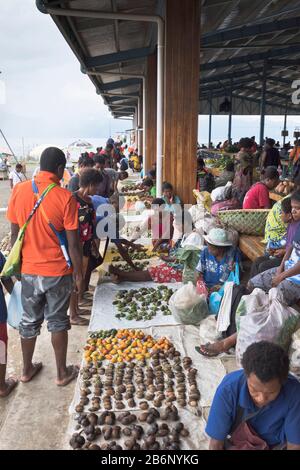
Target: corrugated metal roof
x=237, y=37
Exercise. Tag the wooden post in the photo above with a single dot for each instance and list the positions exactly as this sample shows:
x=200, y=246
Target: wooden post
x=151, y=106
x=182, y=58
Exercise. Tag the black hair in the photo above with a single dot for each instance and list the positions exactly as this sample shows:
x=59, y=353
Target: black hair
x=167, y=186
x=18, y=165
x=158, y=201
x=99, y=159
x=286, y=205
x=124, y=173
x=271, y=173
x=152, y=173
x=295, y=196
x=51, y=159
x=85, y=161
x=270, y=142
x=148, y=182
x=90, y=176
x=267, y=361
x=246, y=142
x=230, y=166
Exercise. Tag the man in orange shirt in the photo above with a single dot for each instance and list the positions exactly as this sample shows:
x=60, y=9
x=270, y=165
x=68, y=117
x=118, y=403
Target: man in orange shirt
x=46, y=277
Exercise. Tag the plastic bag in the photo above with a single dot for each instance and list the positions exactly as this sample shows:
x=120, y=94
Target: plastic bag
x=187, y=306
x=14, y=307
x=270, y=321
x=201, y=288
x=294, y=352
x=208, y=330
x=189, y=257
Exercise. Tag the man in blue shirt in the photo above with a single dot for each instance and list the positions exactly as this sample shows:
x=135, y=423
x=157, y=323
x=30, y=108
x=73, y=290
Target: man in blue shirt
x=263, y=389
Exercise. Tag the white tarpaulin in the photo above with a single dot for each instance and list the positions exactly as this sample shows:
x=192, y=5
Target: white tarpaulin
x=103, y=312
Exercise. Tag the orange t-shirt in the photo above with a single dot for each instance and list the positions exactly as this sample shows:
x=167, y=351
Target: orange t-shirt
x=41, y=252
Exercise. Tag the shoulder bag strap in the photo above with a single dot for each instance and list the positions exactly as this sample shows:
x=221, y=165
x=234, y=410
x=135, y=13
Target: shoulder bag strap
x=38, y=203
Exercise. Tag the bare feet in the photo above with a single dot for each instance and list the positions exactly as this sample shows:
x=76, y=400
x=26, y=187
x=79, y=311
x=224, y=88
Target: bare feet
x=35, y=369
x=71, y=374
x=10, y=384
x=211, y=349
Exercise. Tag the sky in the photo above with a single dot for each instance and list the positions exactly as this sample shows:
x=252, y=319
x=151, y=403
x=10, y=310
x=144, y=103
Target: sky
x=45, y=99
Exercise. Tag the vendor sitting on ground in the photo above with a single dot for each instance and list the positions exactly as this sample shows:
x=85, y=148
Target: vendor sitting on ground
x=258, y=195
x=264, y=395
x=286, y=279
x=168, y=271
x=170, y=199
x=276, y=249
x=217, y=260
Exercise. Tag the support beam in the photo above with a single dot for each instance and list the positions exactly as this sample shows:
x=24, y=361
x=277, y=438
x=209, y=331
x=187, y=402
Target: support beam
x=230, y=114
x=251, y=58
x=151, y=112
x=263, y=105
x=120, y=84
x=209, y=119
x=181, y=97
x=284, y=123
x=117, y=57
x=243, y=73
x=244, y=32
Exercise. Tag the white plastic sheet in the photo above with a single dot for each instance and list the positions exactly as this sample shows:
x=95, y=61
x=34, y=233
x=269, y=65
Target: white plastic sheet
x=103, y=312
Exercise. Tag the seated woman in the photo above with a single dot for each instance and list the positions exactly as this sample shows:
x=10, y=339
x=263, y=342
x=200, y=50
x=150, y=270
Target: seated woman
x=217, y=260
x=168, y=271
x=258, y=195
x=170, y=199
x=276, y=249
x=286, y=279
x=262, y=395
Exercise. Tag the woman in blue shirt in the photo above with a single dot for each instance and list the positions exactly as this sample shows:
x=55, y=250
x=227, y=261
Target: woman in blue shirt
x=263, y=397
x=217, y=259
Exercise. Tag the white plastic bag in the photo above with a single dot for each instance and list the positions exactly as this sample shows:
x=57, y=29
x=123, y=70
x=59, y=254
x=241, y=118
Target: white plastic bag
x=187, y=306
x=208, y=330
x=294, y=352
x=14, y=307
x=269, y=321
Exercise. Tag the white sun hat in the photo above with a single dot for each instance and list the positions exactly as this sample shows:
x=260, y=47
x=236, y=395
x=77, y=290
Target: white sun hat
x=218, y=237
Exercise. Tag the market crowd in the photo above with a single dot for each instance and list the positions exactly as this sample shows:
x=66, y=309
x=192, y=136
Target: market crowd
x=257, y=406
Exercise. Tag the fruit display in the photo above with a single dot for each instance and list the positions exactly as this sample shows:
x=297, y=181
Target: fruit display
x=284, y=187
x=220, y=163
x=136, y=403
x=140, y=266
x=129, y=188
x=102, y=334
x=134, y=255
x=144, y=303
x=152, y=430
x=123, y=346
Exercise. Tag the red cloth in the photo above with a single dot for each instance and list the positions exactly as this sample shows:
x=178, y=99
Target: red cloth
x=257, y=197
x=165, y=273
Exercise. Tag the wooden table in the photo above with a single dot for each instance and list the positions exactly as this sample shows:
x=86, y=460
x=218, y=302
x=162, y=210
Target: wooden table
x=252, y=246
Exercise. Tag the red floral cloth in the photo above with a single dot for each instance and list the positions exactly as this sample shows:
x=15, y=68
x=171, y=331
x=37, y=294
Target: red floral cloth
x=165, y=273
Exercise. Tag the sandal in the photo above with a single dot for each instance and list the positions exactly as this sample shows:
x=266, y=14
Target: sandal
x=80, y=321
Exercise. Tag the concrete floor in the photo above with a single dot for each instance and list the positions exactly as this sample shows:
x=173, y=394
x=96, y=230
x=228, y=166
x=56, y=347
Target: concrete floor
x=36, y=415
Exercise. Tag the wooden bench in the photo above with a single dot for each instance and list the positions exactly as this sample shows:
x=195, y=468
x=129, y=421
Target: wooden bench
x=251, y=246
